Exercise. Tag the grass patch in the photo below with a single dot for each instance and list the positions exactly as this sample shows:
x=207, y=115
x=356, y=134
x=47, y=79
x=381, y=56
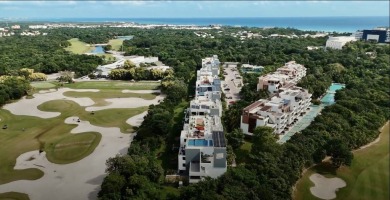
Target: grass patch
x=42, y=85
x=13, y=196
x=78, y=47
x=100, y=97
x=72, y=148
x=141, y=85
x=116, y=44
x=169, y=191
x=105, y=118
x=367, y=177
x=242, y=153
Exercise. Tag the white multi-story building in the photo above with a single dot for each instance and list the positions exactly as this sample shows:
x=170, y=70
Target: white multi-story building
x=278, y=112
x=202, y=150
x=285, y=76
x=339, y=42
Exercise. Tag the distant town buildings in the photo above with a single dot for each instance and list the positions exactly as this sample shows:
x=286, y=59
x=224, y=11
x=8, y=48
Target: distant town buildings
x=15, y=27
x=202, y=151
x=286, y=104
x=379, y=35
x=339, y=42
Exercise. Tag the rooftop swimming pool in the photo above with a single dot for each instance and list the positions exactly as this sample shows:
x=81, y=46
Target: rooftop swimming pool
x=200, y=143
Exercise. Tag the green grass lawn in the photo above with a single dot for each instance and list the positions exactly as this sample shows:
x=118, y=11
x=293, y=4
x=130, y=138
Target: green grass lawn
x=242, y=153
x=13, y=196
x=72, y=148
x=99, y=97
x=43, y=85
x=27, y=133
x=140, y=85
x=367, y=178
x=116, y=44
x=78, y=47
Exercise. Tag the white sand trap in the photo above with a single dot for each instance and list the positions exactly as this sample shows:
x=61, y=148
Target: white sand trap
x=29, y=106
x=47, y=91
x=325, y=188
x=79, y=180
x=137, y=119
x=141, y=91
x=130, y=102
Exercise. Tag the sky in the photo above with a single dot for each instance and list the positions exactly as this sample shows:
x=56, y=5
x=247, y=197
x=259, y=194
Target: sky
x=189, y=9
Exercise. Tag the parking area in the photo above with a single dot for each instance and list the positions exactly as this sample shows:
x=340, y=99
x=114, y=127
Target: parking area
x=232, y=83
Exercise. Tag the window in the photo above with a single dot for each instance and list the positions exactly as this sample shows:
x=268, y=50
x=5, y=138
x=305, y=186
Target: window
x=184, y=165
x=185, y=140
x=184, y=158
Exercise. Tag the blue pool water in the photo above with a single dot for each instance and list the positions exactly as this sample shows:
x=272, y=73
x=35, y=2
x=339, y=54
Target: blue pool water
x=198, y=143
x=98, y=50
x=328, y=99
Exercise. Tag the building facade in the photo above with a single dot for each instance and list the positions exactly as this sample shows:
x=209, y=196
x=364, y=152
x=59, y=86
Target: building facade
x=339, y=42
x=279, y=112
x=284, y=77
x=202, y=151
x=377, y=35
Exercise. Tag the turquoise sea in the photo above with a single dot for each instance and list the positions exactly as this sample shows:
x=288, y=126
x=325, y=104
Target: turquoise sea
x=338, y=24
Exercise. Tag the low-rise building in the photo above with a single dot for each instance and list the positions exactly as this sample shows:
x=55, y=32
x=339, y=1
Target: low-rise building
x=339, y=42
x=279, y=112
x=380, y=35
x=285, y=76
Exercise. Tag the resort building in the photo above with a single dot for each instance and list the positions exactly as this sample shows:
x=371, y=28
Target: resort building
x=247, y=68
x=380, y=35
x=279, y=112
x=339, y=42
x=202, y=151
x=284, y=77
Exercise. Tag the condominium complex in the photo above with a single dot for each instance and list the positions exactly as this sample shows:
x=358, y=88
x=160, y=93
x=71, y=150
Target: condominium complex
x=202, y=150
x=283, y=78
x=287, y=104
x=279, y=112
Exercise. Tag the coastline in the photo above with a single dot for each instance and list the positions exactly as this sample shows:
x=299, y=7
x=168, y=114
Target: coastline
x=327, y=24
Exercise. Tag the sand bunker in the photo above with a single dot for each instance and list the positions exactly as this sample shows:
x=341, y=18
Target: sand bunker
x=78, y=180
x=141, y=91
x=29, y=106
x=137, y=119
x=130, y=102
x=325, y=188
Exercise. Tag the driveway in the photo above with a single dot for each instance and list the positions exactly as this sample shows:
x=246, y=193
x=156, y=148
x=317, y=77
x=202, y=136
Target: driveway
x=231, y=82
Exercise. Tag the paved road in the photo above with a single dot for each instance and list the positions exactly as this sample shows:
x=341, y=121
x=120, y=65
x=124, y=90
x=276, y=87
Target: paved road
x=231, y=83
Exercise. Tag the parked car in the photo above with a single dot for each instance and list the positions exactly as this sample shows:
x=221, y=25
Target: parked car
x=227, y=89
x=229, y=97
x=232, y=102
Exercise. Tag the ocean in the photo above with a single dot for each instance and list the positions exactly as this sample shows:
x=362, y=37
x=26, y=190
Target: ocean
x=329, y=24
